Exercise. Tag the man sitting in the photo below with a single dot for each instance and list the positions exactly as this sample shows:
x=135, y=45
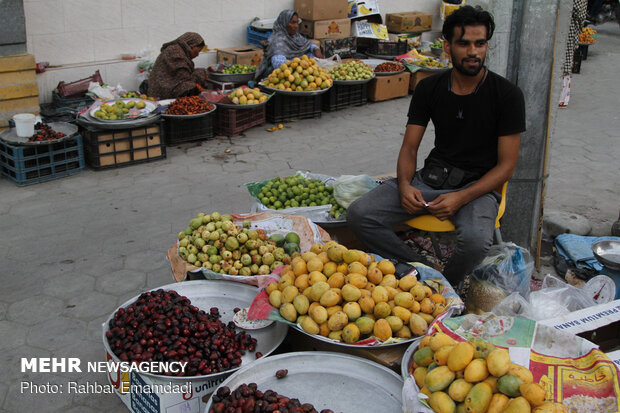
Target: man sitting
x=478, y=117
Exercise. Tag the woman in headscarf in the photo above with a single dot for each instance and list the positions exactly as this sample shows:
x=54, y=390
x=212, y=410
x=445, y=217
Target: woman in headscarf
x=285, y=43
x=173, y=74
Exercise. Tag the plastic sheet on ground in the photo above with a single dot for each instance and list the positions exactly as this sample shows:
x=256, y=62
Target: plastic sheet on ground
x=309, y=234
x=571, y=369
x=318, y=214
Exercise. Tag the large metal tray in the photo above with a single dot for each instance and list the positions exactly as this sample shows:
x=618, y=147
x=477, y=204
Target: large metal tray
x=87, y=120
x=291, y=93
x=224, y=295
x=405, y=363
x=198, y=115
x=232, y=77
x=431, y=69
x=10, y=135
x=334, y=381
x=353, y=82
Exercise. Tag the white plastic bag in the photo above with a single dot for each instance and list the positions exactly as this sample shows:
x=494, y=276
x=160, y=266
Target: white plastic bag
x=329, y=63
x=347, y=188
x=555, y=298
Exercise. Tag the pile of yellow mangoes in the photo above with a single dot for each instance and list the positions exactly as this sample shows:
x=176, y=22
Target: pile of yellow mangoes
x=346, y=295
x=299, y=75
x=476, y=377
x=247, y=96
x=586, y=35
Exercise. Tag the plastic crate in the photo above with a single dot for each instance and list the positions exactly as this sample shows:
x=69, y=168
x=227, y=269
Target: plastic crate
x=115, y=148
x=26, y=165
x=255, y=37
x=281, y=107
x=383, y=48
x=231, y=122
x=77, y=104
x=178, y=131
x=577, y=57
x=342, y=96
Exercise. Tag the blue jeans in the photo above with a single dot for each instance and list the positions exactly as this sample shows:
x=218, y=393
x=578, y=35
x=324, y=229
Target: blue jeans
x=373, y=217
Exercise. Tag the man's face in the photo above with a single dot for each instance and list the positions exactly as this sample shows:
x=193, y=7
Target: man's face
x=293, y=25
x=468, y=50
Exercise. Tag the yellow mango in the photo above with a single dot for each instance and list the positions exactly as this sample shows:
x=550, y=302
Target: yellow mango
x=498, y=362
x=419, y=374
x=498, y=403
x=441, y=355
x=478, y=398
x=518, y=405
x=404, y=332
x=440, y=402
x=439, y=378
x=439, y=340
x=382, y=329
x=550, y=407
x=418, y=325
x=491, y=381
x=402, y=313
x=521, y=372
x=459, y=389
x=460, y=356
x=533, y=393
x=476, y=371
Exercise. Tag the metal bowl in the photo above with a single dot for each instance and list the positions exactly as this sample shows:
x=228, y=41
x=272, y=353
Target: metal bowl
x=232, y=77
x=10, y=135
x=607, y=253
x=390, y=73
x=323, y=379
x=292, y=93
x=197, y=115
x=436, y=51
x=225, y=295
x=353, y=82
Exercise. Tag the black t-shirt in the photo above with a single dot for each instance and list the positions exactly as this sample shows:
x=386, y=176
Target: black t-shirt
x=467, y=127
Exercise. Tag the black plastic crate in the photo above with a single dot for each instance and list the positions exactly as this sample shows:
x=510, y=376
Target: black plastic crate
x=115, y=148
x=26, y=165
x=178, y=131
x=577, y=57
x=387, y=48
x=282, y=107
x=342, y=96
x=231, y=122
x=78, y=103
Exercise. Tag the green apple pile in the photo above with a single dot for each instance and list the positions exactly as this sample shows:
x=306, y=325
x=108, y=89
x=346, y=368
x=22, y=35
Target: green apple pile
x=297, y=191
x=237, y=68
x=354, y=70
x=213, y=241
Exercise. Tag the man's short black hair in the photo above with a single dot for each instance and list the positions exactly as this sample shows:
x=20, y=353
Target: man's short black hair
x=467, y=16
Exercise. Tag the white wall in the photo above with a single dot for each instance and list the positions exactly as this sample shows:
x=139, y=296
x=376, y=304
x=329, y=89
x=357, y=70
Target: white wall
x=82, y=36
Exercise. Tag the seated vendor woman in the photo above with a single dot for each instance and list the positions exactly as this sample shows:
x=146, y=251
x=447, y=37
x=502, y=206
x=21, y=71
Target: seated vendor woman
x=173, y=75
x=286, y=43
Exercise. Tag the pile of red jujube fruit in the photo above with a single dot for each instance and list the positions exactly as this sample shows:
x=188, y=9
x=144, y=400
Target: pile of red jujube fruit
x=45, y=133
x=248, y=399
x=164, y=326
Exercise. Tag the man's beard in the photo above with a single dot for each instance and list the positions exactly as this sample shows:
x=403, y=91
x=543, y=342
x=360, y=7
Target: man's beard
x=464, y=70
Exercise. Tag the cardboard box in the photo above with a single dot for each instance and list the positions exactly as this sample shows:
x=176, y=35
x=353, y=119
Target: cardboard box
x=362, y=8
x=321, y=9
x=243, y=55
x=445, y=9
x=369, y=30
x=409, y=22
x=389, y=87
x=326, y=29
x=345, y=47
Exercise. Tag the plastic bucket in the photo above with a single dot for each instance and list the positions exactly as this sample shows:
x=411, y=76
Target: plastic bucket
x=24, y=124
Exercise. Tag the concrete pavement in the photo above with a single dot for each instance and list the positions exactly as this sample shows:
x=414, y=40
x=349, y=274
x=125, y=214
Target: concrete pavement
x=73, y=249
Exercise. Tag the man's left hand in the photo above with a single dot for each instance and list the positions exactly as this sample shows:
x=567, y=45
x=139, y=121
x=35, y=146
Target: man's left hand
x=446, y=205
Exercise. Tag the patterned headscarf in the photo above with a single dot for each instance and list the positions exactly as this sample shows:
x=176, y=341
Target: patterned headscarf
x=282, y=43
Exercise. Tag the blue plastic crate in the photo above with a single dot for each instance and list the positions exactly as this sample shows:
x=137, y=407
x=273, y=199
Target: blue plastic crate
x=255, y=36
x=26, y=165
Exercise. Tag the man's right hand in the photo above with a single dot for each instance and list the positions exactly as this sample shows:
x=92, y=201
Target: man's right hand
x=411, y=199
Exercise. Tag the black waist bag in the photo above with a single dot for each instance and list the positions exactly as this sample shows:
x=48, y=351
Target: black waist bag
x=439, y=175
